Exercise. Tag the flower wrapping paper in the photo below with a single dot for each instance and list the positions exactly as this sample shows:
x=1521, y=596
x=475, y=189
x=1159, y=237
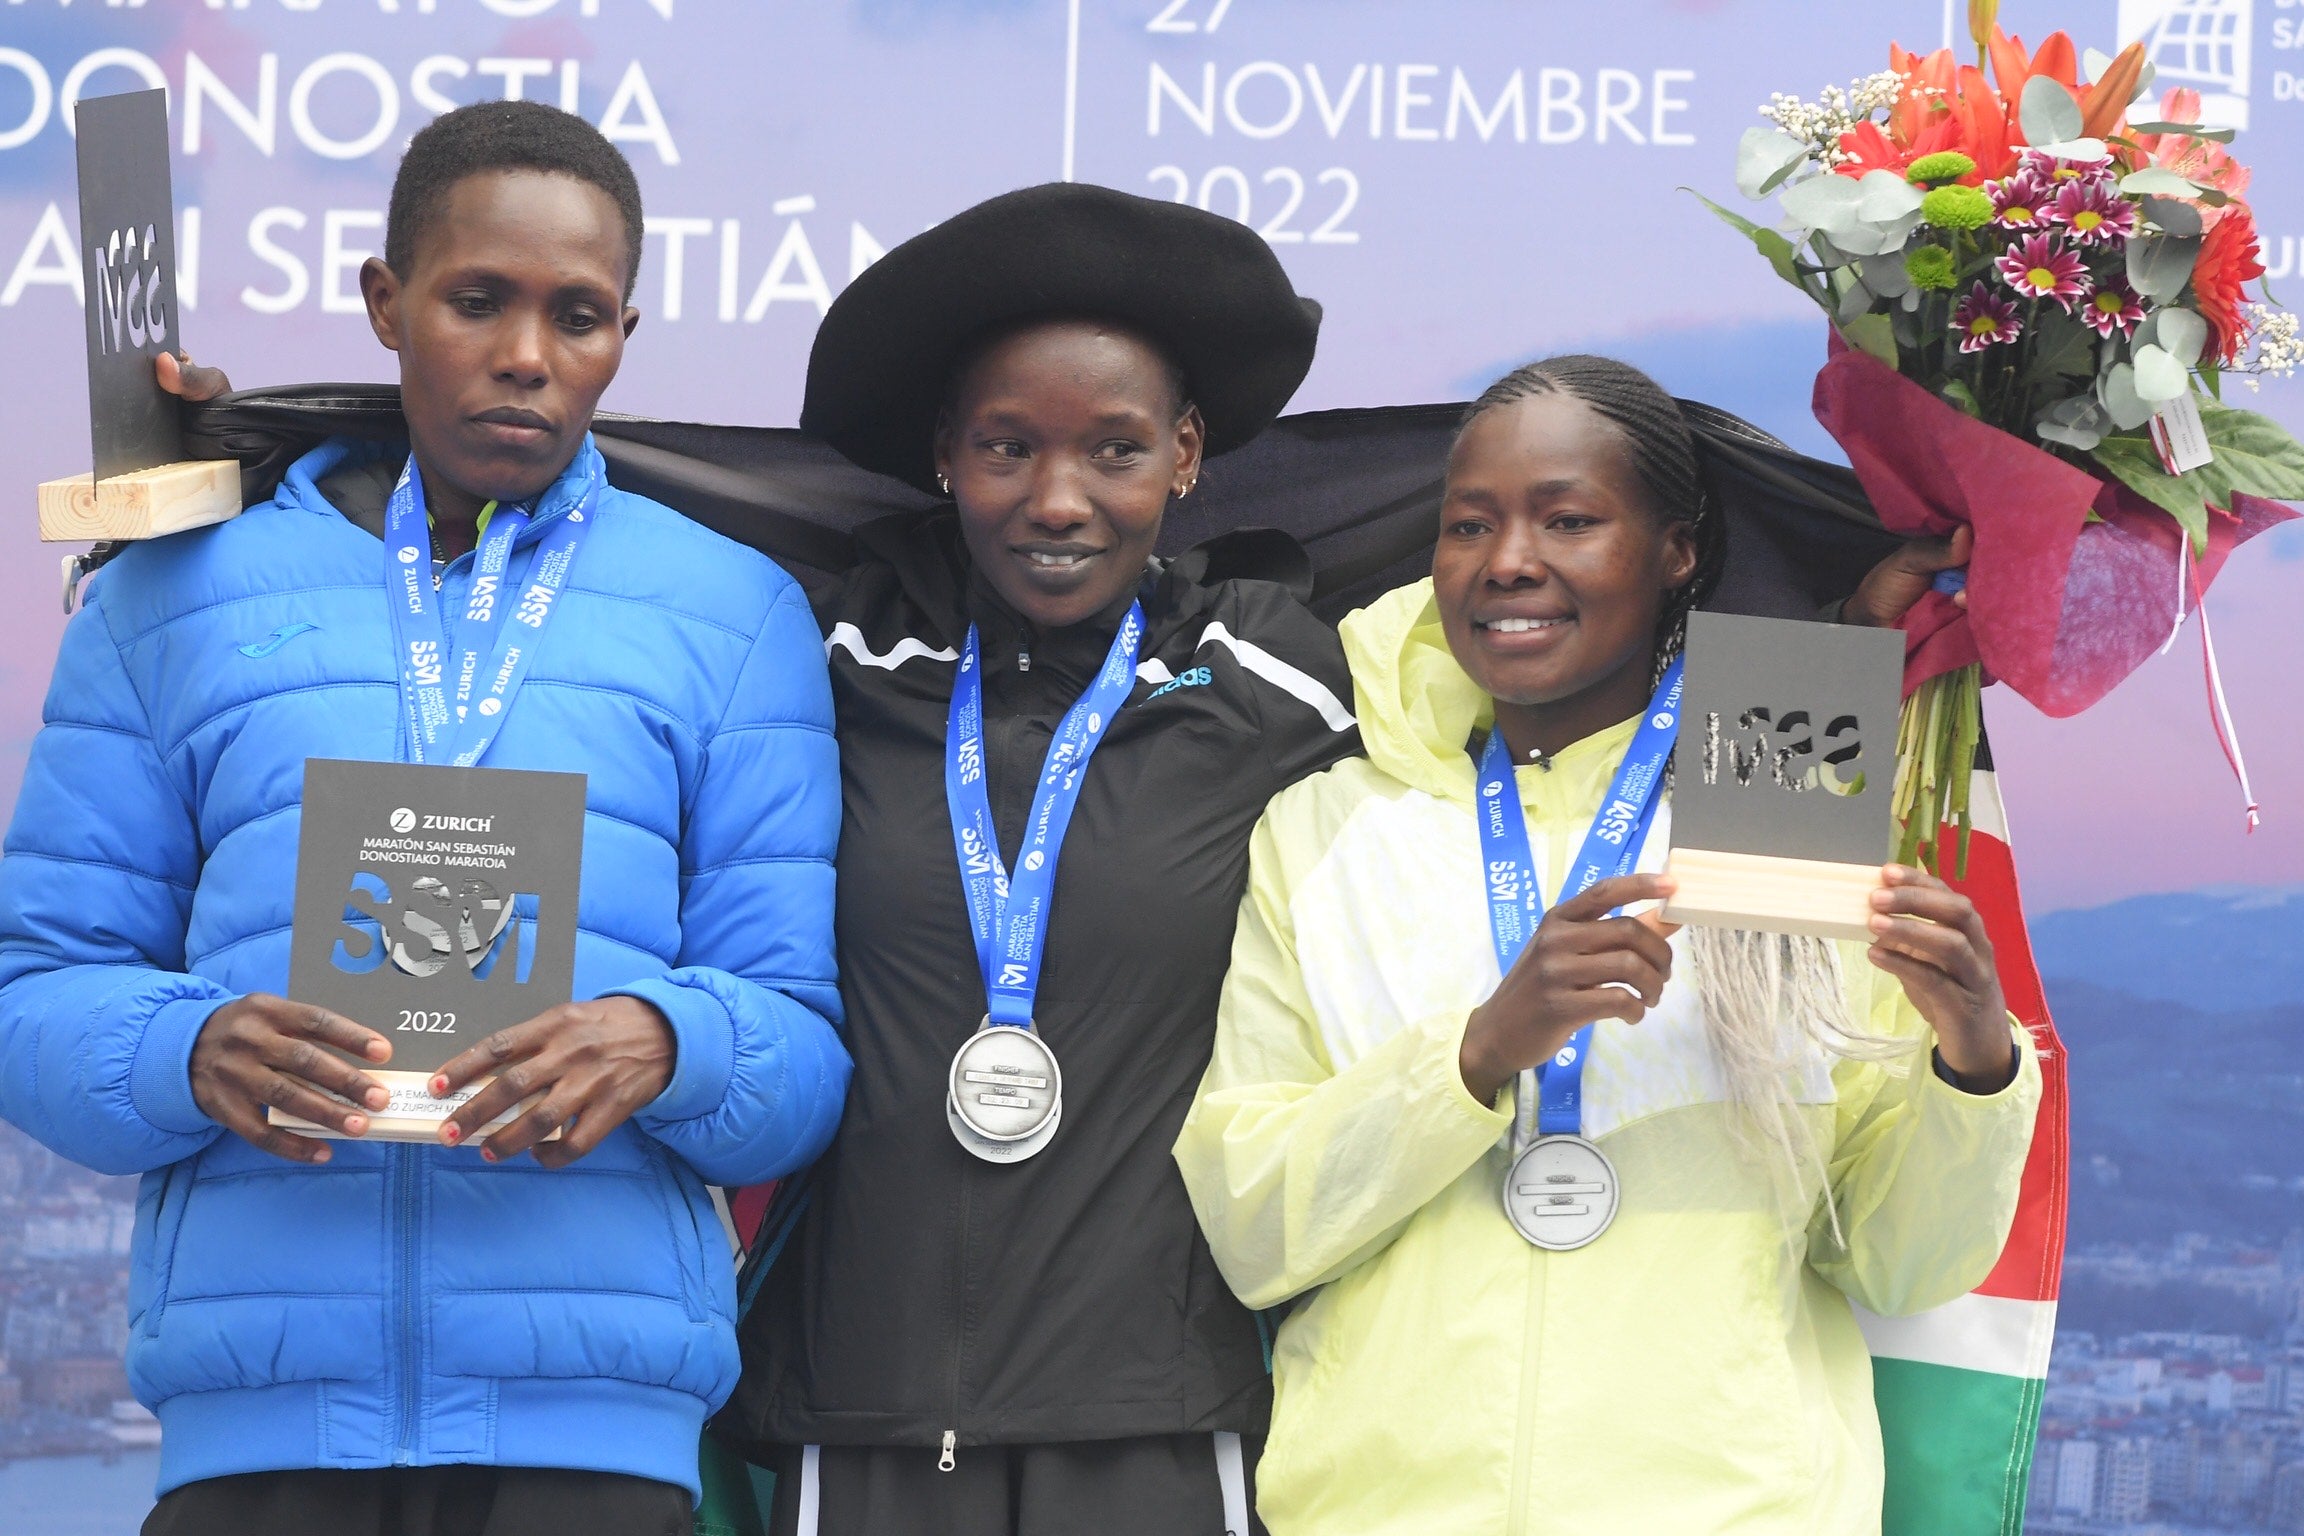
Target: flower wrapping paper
x=2059, y=608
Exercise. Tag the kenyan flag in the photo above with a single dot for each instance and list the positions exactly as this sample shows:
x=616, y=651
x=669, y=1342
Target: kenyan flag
x=1959, y=1387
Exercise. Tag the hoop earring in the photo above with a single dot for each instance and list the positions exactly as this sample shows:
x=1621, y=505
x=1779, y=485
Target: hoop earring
x=944, y=484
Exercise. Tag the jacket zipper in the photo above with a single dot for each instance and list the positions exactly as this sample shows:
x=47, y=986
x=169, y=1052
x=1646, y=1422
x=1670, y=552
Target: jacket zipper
x=947, y=1461
x=408, y=1200
x=1524, y=1446
x=405, y=1169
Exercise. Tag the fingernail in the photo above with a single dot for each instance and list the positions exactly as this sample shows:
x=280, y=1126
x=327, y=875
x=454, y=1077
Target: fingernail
x=451, y=1133
x=1880, y=925
x=378, y=1050
x=487, y=1156
x=320, y=1156
x=1881, y=899
x=378, y=1098
x=355, y=1125
x=440, y=1086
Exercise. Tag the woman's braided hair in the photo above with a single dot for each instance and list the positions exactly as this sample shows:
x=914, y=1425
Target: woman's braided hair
x=1663, y=454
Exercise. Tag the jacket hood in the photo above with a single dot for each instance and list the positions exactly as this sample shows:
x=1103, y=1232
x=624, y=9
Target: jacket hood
x=1420, y=711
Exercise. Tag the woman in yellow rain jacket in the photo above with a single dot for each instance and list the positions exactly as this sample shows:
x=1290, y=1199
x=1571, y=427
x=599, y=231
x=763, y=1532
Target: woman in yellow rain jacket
x=1779, y=1127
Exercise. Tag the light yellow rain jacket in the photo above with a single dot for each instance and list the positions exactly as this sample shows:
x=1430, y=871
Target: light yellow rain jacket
x=1697, y=1369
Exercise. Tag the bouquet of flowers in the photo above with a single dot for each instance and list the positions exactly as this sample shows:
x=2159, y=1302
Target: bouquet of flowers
x=2037, y=292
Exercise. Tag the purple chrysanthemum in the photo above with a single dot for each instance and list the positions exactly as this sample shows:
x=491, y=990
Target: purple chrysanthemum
x=2022, y=202
x=2039, y=267
x=2113, y=309
x=2094, y=213
x=1984, y=319
x=2056, y=172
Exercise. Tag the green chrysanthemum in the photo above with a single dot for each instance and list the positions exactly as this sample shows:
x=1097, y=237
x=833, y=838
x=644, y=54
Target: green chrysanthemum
x=1956, y=208
x=1931, y=266
x=1933, y=170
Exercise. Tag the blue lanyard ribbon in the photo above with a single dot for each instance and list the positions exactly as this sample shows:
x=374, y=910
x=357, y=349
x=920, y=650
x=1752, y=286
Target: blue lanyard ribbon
x=1010, y=917
x=455, y=694
x=1611, y=847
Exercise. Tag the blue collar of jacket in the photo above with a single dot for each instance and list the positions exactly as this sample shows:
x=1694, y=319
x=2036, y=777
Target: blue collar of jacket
x=338, y=457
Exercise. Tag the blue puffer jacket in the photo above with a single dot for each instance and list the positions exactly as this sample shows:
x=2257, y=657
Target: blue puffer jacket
x=409, y=1305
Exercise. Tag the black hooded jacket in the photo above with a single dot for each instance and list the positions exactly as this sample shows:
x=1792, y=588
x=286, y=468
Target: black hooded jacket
x=1068, y=1297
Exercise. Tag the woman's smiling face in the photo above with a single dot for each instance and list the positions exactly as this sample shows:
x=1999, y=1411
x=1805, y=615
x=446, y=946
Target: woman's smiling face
x=1552, y=568
x=1063, y=444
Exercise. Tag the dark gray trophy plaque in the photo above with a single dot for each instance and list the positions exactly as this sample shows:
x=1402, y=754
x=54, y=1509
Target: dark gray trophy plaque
x=1784, y=774
x=435, y=906
x=128, y=257
x=143, y=485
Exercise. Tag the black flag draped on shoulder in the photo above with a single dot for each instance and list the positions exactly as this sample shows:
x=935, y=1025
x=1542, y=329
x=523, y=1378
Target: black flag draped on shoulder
x=1356, y=493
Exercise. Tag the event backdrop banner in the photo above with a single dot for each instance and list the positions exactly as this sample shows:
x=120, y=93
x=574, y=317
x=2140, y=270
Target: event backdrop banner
x=1464, y=185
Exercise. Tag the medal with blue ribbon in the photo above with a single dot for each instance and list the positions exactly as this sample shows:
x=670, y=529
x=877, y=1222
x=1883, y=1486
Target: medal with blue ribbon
x=455, y=692
x=1005, y=1096
x=1561, y=1190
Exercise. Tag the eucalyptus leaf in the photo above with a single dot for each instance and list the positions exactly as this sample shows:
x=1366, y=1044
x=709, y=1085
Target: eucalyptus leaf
x=2116, y=388
x=2172, y=216
x=1874, y=334
x=1885, y=275
x=2047, y=112
x=1877, y=239
x=1828, y=255
x=1823, y=202
x=2081, y=428
x=2179, y=332
x=2093, y=63
x=2074, y=149
x=2157, y=181
x=2160, y=265
x=2189, y=130
x=1764, y=158
x=1885, y=197
x=2159, y=376
x=2144, y=79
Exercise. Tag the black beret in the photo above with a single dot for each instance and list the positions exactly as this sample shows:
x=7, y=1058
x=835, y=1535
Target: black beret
x=1204, y=288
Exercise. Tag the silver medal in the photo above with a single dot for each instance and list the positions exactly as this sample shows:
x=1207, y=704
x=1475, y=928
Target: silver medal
x=1005, y=1094
x=1561, y=1192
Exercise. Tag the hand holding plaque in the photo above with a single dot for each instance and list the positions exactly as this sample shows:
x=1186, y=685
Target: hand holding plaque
x=263, y=1053
x=574, y=1074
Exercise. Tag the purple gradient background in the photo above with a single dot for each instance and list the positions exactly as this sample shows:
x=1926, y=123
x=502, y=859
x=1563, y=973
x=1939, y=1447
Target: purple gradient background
x=1472, y=255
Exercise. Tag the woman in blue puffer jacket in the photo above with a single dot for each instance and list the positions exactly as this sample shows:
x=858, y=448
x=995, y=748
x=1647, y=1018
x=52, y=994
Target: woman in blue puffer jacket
x=420, y=1338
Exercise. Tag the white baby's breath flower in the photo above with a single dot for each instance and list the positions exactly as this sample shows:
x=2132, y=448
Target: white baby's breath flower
x=1836, y=111
x=2279, y=348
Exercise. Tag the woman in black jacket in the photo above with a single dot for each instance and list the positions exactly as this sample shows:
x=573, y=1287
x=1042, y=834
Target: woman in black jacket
x=997, y=1314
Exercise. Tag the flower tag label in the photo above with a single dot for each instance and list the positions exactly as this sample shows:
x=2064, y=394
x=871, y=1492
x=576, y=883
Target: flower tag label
x=2179, y=434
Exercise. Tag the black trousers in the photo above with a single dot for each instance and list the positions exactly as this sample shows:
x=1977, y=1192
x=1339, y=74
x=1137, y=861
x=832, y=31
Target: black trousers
x=1163, y=1485
x=424, y=1501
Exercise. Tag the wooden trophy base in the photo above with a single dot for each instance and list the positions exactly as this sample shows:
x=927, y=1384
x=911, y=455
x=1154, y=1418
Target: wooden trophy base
x=413, y=1115
x=1771, y=895
x=142, y=505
